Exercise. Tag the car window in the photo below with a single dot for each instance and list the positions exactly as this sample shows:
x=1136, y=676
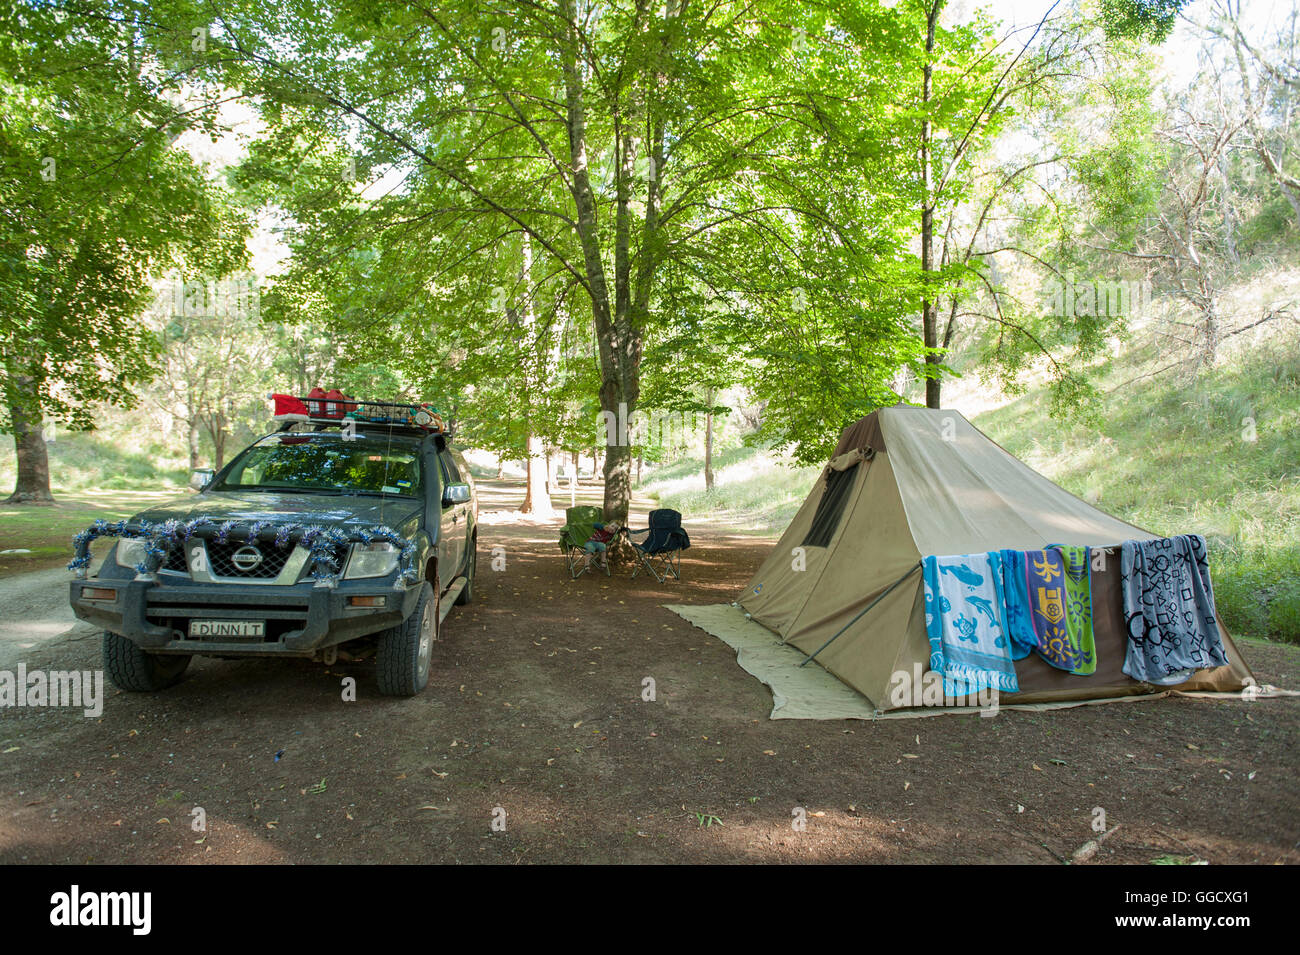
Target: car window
x=449, y=469
x=300, y=463
x=461, y=463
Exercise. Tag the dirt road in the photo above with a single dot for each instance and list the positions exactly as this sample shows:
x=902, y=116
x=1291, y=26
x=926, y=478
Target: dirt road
x=533, y=743
x=36, y=616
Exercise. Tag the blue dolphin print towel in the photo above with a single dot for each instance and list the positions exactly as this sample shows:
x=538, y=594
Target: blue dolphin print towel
x=1169, y=609
x=965, y=619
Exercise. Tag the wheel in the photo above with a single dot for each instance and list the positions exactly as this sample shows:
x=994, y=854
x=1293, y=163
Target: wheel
x=406, y=649
x=467, y=595
x=137, y=671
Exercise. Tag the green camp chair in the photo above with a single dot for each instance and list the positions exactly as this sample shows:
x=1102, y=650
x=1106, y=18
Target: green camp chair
x=580, y=551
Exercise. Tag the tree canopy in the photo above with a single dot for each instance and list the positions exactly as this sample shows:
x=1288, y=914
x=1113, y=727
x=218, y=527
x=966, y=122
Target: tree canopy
x=548, y=216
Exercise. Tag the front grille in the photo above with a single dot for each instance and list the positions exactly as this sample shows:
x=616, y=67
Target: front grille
x=221, y=560
x=221, y=557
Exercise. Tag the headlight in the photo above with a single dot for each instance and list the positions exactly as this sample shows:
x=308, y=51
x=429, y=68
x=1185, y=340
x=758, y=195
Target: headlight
x=129, y=552
x=372, y=560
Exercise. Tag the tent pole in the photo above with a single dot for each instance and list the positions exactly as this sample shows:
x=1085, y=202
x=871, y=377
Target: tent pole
x=888, y=590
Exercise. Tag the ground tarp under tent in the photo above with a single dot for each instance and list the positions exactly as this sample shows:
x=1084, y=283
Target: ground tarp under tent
x=905, y=483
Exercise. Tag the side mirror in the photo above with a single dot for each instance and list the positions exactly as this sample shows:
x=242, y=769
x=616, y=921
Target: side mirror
x=455, y=494
x=201, y=478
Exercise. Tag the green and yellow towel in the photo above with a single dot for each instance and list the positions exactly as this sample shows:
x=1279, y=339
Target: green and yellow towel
x=1049, y=605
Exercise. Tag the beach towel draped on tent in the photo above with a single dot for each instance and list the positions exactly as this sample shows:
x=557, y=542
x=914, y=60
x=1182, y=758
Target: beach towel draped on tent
x=1173, y=628
x=965, y=622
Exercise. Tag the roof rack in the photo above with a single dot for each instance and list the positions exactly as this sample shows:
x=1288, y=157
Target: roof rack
x=321, y=425
x=337, y=409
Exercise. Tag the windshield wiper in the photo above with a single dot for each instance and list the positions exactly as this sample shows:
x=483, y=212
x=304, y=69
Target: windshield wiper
x=280, y=490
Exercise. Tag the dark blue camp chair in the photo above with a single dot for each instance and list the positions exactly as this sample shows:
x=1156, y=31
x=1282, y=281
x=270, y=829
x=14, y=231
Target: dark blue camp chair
x=660, y=553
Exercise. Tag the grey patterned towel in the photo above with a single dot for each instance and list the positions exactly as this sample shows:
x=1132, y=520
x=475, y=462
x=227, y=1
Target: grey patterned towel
x=1169, y=609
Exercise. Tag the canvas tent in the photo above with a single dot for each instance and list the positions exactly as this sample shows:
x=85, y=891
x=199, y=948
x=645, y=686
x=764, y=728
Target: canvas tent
x=905, y=483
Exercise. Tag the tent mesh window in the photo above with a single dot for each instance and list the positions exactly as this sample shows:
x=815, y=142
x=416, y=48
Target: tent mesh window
x=831, y=507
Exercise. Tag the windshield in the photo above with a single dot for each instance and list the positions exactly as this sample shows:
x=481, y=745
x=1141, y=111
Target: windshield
x=327, y=465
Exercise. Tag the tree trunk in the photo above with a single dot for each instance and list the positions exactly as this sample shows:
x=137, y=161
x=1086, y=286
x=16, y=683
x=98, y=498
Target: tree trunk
x=32, y=485
x=215, y=423
x=708, y=444
x=1211, y=327
x=537, y=501
x=537, y=495
x=618, y=317
x=929, y=307
x=1229, y=219
x=618, y=482
x=219, y=443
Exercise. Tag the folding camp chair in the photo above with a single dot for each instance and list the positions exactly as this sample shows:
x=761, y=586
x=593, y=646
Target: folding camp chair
x=661, y=551
x=581, y=523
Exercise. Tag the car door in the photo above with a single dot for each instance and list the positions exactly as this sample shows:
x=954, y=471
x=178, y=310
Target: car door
x=454, y=522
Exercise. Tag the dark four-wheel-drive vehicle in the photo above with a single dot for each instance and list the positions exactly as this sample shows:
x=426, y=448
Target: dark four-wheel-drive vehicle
x=353, y=523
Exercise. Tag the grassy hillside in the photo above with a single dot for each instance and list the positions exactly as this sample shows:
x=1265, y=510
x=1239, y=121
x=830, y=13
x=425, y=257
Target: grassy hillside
x=752, y=489
x=1215, y=453
x=119, y=459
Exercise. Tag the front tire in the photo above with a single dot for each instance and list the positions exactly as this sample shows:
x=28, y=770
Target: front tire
x=405, y=651
x=136, y=671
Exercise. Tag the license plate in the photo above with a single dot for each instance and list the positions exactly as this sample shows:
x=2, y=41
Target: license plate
x=228, y=629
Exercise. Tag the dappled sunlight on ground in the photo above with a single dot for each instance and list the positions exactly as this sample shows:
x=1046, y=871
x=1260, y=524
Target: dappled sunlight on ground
x=598, y=726
x=37, y=831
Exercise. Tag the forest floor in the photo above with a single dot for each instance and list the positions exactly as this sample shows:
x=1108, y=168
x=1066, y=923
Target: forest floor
x=535, y=719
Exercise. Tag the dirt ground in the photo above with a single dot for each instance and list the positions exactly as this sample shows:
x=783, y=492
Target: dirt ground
x=535, y=720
